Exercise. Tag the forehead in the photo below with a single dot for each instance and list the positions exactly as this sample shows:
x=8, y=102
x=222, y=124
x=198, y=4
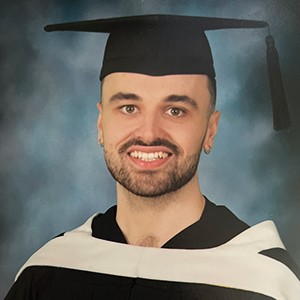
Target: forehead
x=195, y=86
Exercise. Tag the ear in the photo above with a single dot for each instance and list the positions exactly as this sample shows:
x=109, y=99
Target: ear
x=211, y=131
x=99, y=122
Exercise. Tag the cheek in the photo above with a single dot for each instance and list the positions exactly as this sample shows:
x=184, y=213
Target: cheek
x=189, y=138
x=114, y=133
x=194, y=141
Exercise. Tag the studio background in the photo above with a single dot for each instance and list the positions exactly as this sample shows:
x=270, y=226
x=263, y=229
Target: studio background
x=52, y=172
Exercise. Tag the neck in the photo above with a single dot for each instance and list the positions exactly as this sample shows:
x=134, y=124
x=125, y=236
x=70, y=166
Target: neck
x=151, y=222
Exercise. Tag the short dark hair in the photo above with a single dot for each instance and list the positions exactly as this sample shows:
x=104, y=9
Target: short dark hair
x=212, y=87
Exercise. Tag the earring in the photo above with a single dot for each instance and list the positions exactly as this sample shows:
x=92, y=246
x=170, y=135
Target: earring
x=100, y=143
x=207, y=151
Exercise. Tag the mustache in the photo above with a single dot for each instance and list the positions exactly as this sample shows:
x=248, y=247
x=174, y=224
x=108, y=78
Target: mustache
x=156, y=142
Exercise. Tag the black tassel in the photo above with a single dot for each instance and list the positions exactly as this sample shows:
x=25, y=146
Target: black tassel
x=281, y=117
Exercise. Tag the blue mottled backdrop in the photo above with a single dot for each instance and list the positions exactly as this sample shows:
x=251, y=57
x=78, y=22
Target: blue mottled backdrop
x=52, y=172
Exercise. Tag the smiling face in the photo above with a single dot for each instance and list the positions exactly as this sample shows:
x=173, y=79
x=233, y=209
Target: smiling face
x=153, y=129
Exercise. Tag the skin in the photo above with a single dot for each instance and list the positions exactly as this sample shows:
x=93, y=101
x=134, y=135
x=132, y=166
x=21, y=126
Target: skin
x=176, y=110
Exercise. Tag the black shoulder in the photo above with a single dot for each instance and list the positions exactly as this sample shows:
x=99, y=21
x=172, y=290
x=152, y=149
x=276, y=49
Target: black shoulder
x=30, y=284
x=221, y=224
x=222, y=217
x=59, y=235
x=284, y=257
x=105, y=227
x=216, y=226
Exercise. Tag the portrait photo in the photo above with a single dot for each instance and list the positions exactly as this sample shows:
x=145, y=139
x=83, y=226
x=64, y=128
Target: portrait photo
x=99, y=107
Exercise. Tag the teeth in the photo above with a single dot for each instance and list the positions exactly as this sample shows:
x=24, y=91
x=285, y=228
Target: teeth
x=149, y=156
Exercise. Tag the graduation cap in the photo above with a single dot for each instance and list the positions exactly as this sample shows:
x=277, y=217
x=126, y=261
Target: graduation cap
x=168, y=44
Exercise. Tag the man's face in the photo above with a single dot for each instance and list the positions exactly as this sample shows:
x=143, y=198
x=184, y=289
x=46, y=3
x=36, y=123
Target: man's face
x=153, y=129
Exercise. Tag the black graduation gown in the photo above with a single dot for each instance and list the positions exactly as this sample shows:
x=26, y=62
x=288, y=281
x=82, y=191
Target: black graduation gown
x=216, y=227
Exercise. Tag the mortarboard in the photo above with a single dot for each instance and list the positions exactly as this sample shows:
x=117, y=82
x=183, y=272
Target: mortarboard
x=168, y=44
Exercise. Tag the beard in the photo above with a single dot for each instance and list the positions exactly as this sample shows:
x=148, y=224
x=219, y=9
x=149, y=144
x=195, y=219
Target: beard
x=153, y=183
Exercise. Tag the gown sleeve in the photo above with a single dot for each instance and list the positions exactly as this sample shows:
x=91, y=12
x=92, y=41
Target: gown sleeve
x=30, y=284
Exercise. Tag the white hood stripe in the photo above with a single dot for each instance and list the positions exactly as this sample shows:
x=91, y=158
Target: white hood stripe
x=235, y=264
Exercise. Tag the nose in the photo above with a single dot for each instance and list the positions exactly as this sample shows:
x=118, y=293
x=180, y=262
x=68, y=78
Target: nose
x=150, y=127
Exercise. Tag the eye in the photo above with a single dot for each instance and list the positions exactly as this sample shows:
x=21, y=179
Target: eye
x=175, y=111
x=128, y=109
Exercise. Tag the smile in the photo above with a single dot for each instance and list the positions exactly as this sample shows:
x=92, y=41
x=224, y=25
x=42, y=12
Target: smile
x=152, y=156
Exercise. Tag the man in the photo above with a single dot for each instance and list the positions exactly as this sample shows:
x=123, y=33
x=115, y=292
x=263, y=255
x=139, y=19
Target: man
x=164, y=239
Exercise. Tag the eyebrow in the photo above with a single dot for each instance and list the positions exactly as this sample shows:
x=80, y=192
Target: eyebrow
x=170, y=99
x=182, y=99
x=124, y=96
